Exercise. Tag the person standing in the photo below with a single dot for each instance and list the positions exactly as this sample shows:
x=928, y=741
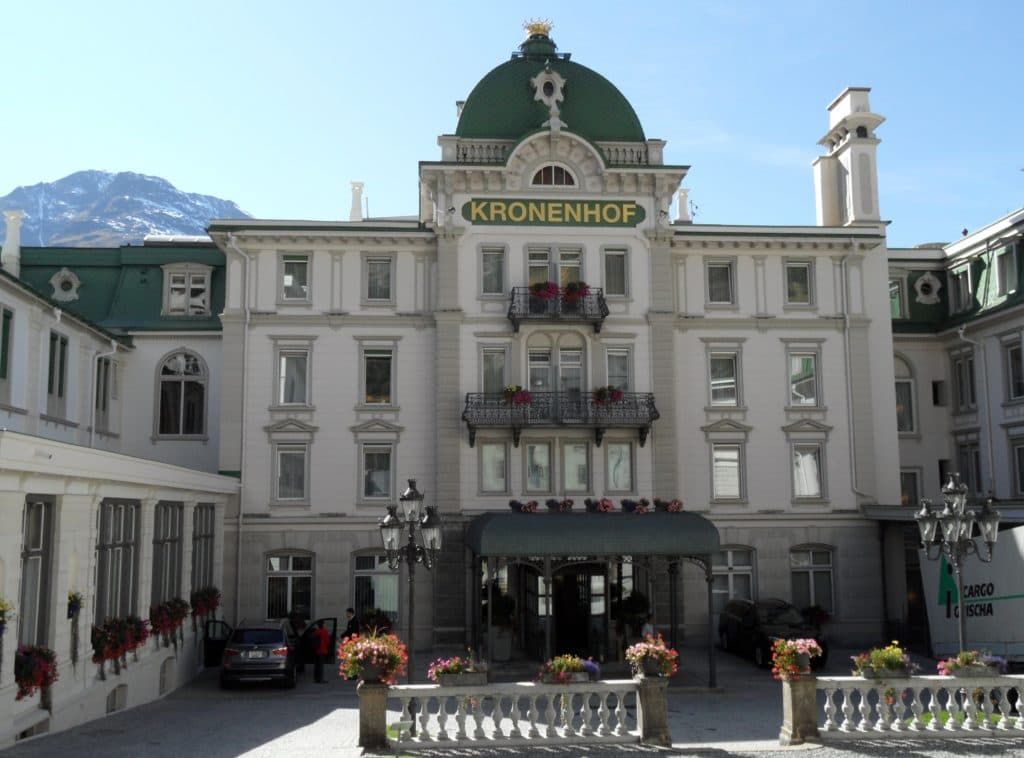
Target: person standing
x=352, y=627
x=321, y=648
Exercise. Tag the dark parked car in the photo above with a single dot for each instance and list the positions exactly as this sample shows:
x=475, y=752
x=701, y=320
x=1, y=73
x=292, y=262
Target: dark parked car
x=750, y=628
x=260, y=651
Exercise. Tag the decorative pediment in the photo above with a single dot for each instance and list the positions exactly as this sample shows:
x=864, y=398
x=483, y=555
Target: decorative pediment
x=562, y=147
x=807, y=428
x=291, y=430
x=377, y=426
x=726, y=430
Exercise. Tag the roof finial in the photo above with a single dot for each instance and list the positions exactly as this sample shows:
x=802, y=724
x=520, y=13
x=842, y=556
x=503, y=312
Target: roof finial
x=540, y=26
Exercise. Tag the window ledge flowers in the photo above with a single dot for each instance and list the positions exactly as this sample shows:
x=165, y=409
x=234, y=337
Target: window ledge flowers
x=791, y=658
x=883, y=662
x=370, y=657
x=652, y=656
x=972, y=663
x=530, y=506
x=35, y=667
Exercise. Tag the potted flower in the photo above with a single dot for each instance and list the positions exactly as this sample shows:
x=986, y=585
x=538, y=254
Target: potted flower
x=576, y=290
x=889, y=662
x=516, y=395
x=373, y=657
x=6, y=613
x=604, y=505
x=668, y=506
x=972, y=663
x=643, y=505
x=530, y=506
x=652, y=657
x=791, y=658
x=541, y=295
x=562, y=506
x=607, y=395
x=457, y=670
x=35, y=667
x=563, y=669
x=74, y=604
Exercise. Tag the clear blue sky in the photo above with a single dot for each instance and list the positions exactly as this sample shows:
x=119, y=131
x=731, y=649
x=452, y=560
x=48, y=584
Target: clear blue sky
x=278, y=106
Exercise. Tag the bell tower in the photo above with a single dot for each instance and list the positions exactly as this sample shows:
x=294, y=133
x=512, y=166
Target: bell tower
x=846, y=179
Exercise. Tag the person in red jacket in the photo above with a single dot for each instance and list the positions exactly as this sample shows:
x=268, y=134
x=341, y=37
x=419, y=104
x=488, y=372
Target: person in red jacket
x=321, y=648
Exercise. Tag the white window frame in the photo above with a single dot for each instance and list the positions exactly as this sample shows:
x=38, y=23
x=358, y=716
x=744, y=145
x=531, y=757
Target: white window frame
x=283, y=349
x=117, y=551
x=7, y=325
x=898, y=286
x=969, y=452
x=630, y=461
x=106, y=391
x=36, y=560
x=486, y=350
x=960, y=290
x=1006, y=271
x=728, y=566
x=378, y=349
x=527, y=445
x=387, y=259
x=365, y=449
x=813, y=569
x=168, y=523
x=192, y=273
x=964, y=382
x=57, y=375
x=558, y=171
x=290, y=574
x=795, y=350
x=916, y=475
x=729, y=264
x=1013, y=356
x=619, y=351
x=791, y=265
x=380, y=569
x=290, y=448
x=1017, y=460
x=818, y=450
x=615, y=252
x=714, y=354
x=564, y=463
x=494, y=251
x=741, y=494
x=202, y=378
x=204, y=533
x=283, y=295
x=554, y=255
x=482, y=484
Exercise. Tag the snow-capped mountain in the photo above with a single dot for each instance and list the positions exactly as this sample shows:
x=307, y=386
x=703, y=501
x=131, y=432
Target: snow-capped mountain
x=101, y=209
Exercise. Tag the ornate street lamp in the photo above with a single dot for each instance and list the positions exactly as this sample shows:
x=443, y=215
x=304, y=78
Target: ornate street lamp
x=415, y=520
x=950, y=532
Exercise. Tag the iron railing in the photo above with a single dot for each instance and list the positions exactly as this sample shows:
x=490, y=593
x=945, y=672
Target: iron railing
x=545, y=409
x=590, y=308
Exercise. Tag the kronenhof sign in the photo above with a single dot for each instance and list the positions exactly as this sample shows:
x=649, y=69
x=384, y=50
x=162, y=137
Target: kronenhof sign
x=554, y=212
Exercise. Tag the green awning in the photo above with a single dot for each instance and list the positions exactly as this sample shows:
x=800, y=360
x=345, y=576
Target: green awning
x=602, y=534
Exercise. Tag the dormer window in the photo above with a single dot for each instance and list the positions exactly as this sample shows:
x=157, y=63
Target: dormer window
x=553, y=176
x=186, y=289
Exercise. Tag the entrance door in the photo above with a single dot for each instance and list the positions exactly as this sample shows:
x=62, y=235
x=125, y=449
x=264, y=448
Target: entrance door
x=216, y=634
x=578, y=600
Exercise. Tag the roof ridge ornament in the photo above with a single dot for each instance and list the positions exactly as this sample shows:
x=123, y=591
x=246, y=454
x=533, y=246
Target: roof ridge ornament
x=540, y=26
x=549, y=86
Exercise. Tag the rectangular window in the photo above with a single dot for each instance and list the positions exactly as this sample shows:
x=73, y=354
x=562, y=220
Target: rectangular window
x=167, y=552
x=36, y=561
x=1018, y=460
x=291, y=471
x=904, y=406
x=1014, y=372
x=575, y=467
x=293, y=377
x=493, y=366
x=615, y=272
x=811, y=574
x=493, y=467
x=378, y=279
x=960, y=290
x=969, y=460
x=732, y=577
x=803, y=379
x=377, y=365
x=538, y=467
x=116, y=555
x=570, y=369
x=105, y=368
x=1006, y=269
x=493, y=273
x=720, y=283
x=377, y=471
x=570, y=267
x=619, y=365
x=539, y=262
x=723, y=379
x=798, y=283
x=620, y=466
x=896, y=298
x=963, y=374
x=203, y=533
x=540, y=370
x=187, y=292
x=6, y=340
x=938, y=393
x=376, y=590
x=295, y=278
x=57, y=376
x=289, y=586
x=909, y=491
x=725, y=472
x=807, y=471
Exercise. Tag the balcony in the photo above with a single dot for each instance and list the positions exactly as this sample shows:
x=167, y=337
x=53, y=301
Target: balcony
x=590, y=308
x=560, y=409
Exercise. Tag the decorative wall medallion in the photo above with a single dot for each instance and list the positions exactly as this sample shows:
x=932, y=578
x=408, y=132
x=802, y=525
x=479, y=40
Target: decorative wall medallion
x=65, y=285
x=549, y=87
x=927, y=286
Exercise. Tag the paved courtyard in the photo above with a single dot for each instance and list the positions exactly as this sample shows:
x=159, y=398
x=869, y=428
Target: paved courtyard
x=742, y=717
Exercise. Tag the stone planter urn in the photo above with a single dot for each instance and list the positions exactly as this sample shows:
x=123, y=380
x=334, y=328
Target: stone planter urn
x=974, y=672
x=874, y=673
x=372, y=672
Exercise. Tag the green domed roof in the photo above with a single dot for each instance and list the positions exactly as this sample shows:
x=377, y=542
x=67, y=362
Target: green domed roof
x=502, y=105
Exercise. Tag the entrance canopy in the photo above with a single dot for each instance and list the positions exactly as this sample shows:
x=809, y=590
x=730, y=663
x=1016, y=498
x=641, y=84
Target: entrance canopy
x=594, y=534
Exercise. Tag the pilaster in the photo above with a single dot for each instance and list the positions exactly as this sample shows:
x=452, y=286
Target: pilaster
x=665, y=437
x=144, y=563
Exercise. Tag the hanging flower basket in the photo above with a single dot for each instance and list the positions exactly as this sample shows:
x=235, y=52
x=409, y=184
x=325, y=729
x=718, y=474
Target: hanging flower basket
x=35, y=667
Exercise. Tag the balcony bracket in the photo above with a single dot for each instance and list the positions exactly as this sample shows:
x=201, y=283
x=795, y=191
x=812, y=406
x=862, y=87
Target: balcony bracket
x=644, y=431
x=516, y=431
x=598, y=435
x=472, y=435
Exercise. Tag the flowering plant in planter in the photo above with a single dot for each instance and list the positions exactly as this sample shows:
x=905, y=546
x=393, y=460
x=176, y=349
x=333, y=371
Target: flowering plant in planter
x=530, y=506
x=606, y=395
x=138, y=632
x=544, y=290
x=35, y=667
x=6, y=613
x=787, y=665
x=205, y=601
x=74, y=604
x=668, y=506
x=643, y=505
x=562, y=667
x=384, y=651
x=604, y=505
x=575, y=290
x=972, y=661
x=562, y=505
x=454, y=665
x=891, y=659
x=516, y=395
x=652, y=652
x=161, y=621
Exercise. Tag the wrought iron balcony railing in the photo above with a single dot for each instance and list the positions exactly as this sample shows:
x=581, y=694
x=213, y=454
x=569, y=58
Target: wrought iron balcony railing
x=545, y=409
x=590, y=308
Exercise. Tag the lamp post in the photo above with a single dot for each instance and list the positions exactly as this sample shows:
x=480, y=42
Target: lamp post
x=415, y=519
x=950, y=532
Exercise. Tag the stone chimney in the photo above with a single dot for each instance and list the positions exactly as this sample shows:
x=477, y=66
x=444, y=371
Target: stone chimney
x=356, y=213
x=10, y=258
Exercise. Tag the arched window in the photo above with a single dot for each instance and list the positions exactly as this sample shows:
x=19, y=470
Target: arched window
x=553, y=176
x=183, y=380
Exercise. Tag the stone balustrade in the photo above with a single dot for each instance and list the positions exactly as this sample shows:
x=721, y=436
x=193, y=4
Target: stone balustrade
x=508, y=714
x=919, y=706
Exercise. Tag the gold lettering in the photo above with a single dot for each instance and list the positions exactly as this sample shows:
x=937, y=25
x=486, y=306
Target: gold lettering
x=612, y=213
x=478, y=210
x=538, y=212
x=572, y=213
x=517, y=212
x=591, y=213
x=628, y=211
x=497, y=209
x=555, y=212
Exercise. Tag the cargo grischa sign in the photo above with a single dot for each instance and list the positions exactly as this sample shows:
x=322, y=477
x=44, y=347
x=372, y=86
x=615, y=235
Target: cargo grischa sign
x=993, y=599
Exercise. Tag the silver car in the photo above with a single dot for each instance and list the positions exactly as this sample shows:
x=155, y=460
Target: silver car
x=260, y=651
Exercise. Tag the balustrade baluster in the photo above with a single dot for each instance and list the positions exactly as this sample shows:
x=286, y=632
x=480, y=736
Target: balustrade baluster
x=954, y=706
x=514, y=712
x=478, y=717
x=935, y=708
x=501, y=714
x=830, y=710
x=424, y=719
x=460, y=719
x=531, y=715
x=917, y=707
x=549, y=717
x=900, y=710
x=864, y=725
x=987, y=708
x=620, y=713
x=1004, y=709
x=883, y=713
x=603, y=713
x=1019, y=724
x=848, y=724
x=406, y=716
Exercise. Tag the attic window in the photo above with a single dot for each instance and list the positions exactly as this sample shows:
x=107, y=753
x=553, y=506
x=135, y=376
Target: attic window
x=186, y=289
x=553, y=176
